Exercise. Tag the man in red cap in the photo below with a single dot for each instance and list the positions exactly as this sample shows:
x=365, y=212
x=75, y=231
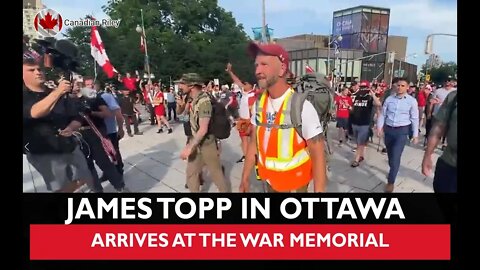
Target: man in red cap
x=361, y=119
x=287, y=162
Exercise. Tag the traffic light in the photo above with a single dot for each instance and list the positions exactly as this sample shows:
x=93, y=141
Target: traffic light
x=429, y=45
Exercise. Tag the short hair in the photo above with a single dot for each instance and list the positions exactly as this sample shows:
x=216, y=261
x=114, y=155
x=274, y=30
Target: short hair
x=30, y=62
x=403, y=79
x=86, y=78
x=395, y=80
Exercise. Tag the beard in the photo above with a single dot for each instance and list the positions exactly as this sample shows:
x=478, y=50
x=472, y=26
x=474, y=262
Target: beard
x=266, y=82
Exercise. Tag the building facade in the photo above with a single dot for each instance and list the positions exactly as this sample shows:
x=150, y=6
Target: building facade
x=30, y=10
x=360, y=54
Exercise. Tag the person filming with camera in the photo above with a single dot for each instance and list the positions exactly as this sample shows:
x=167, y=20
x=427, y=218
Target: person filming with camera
x=96, y=145
x=48, y=126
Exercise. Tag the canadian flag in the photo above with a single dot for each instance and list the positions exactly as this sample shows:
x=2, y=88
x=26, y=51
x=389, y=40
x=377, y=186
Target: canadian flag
x=309, y=69
x=99, y=54
x=142, y=43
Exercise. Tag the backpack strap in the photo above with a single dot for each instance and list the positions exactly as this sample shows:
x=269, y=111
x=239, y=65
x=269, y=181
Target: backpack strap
x=296, y=111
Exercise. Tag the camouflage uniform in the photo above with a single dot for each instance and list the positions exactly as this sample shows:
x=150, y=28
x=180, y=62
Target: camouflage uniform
x=206, y=153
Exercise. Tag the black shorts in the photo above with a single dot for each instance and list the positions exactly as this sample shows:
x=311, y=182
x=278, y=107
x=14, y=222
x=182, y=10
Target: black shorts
x=342, y=123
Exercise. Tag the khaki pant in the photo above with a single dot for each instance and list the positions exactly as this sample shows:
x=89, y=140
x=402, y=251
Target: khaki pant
x=269, y=189
x=205, y=155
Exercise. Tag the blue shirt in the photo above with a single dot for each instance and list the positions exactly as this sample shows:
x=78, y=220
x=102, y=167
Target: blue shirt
x=399, y=111
x=112, y=104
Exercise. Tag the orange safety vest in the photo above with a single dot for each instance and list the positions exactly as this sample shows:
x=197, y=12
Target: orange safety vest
x=283, y=159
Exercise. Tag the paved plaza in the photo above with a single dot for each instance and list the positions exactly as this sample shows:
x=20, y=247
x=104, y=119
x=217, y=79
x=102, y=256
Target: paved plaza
x=152, y=164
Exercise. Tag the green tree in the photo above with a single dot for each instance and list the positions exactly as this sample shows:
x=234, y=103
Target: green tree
x=182, y=36
x=440, y=74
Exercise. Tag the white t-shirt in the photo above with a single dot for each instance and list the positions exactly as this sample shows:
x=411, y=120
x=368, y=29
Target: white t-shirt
x=441, y=94
x=311, y=126
x=243, y=110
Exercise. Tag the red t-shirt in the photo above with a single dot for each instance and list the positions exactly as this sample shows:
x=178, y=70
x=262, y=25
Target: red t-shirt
x=342, y=106
x=129, y=83
x=422, y=99
x=159, y=95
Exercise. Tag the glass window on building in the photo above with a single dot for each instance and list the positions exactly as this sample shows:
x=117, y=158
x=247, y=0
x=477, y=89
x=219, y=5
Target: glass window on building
x=349, y=72
x=322, y=65
x=312, y=63
x=356, y=69
x=304, y=64
x=299, y=68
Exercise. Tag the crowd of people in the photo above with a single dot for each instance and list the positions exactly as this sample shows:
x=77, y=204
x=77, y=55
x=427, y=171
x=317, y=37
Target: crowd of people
x=69, y=126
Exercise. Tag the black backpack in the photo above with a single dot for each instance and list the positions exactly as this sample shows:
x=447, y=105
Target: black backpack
x=219, y=125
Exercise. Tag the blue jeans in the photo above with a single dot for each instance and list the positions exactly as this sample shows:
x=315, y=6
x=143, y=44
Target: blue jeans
x=445, y=179
x=395, y=140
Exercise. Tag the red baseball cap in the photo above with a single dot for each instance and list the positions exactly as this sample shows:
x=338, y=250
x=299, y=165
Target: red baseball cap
x=364, y=84
x=269, y=49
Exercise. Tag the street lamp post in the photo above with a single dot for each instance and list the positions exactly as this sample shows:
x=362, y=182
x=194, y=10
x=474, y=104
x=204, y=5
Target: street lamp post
x=336, y=38
x=264, y=23
x=141, y=30
x=414, y=55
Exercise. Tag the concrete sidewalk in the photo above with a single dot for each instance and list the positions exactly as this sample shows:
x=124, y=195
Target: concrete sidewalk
x=152, y=164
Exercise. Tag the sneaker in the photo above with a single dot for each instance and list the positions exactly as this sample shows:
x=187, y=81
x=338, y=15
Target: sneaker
x=389, y=188
x=170, y=130
x=340, y=143
x=355, y=164
x=123, y=190
x=384, y=150
x=130, y=135
x=242, y=159
x=160, y=131
x=354, y=150
x=201, y=182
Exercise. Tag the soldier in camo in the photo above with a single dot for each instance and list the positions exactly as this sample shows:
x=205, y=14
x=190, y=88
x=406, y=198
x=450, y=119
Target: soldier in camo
x=202, y=148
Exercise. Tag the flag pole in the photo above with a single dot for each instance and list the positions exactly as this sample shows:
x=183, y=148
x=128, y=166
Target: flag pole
x=145, y=40
x=95, y=70
x=94, y=61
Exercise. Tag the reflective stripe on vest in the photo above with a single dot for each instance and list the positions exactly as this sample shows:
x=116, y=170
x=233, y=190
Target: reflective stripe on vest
x=251, y=98
x=280, y=148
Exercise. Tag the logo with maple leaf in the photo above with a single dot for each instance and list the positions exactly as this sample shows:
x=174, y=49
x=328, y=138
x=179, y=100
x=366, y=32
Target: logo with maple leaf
x=48, y=22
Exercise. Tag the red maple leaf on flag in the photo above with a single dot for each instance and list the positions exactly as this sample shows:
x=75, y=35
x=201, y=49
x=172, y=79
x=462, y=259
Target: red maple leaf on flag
x=47, y=22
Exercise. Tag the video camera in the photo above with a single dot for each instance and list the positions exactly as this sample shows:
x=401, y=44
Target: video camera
x=59, y=54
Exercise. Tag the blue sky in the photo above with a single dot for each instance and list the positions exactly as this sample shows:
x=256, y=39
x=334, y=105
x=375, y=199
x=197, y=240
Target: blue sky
x=412, y=18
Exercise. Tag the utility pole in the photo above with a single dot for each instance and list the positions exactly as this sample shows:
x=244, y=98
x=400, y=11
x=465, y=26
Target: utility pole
x=264, y=23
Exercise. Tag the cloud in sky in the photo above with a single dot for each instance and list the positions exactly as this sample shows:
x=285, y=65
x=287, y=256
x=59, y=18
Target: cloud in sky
x=412, y=18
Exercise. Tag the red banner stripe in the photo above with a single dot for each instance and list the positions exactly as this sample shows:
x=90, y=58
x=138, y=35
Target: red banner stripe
x=300, y=242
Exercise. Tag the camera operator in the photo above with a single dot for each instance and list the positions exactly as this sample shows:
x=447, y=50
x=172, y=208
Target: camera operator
x=48, y=125
x=98, y=147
